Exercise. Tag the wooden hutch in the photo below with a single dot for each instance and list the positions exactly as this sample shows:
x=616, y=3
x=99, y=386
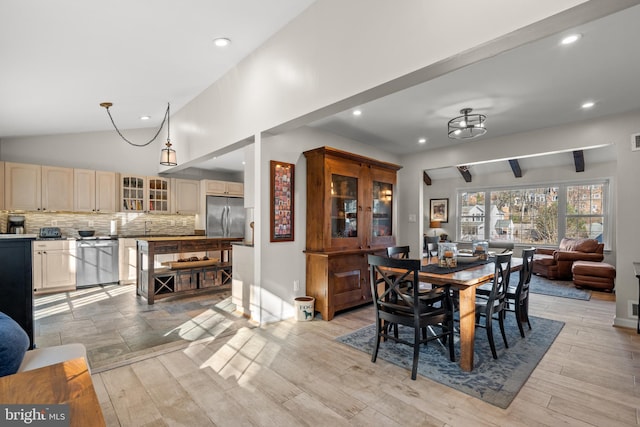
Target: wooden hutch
x=349, y=215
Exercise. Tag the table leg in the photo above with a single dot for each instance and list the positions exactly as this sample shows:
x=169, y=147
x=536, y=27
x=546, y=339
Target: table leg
x=467, y=326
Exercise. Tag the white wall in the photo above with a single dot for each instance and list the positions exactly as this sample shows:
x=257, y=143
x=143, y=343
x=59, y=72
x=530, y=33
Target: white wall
x=623, y=173
x=284, y=262
x=338, y=54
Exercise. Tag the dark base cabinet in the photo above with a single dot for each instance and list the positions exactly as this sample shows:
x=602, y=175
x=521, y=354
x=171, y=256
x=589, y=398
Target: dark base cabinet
x=16, y=283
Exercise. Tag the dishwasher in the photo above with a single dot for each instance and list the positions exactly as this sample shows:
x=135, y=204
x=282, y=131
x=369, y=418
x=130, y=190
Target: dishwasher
x=96, y=261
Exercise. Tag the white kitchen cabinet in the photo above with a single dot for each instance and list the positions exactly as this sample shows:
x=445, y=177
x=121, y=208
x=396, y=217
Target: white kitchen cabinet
x=1, y=185
x=144, y=194
x=128, y=260
x=185, y=196
x=38, y=188
x=94, y=191
x=223, y=188
x=54, y=265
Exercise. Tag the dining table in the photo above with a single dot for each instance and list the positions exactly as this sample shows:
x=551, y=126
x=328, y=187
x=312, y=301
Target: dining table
x=465, y=281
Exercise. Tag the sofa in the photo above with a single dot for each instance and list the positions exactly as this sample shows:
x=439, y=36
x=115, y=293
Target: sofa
x=555, y=263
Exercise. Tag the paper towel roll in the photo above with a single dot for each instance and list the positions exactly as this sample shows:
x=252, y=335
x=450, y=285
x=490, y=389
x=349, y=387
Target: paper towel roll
x=114, y=228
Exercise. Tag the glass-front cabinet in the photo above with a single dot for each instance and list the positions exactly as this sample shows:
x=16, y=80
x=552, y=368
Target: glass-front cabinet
x=350, y=202
x=344, y=206
x=144, y=194
x=382, y=193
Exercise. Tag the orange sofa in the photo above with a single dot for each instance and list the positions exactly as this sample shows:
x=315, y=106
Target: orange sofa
x=556, y=263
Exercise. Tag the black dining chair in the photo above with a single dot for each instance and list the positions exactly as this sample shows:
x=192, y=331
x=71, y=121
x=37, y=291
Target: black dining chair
x=399, y=304
x=398, y=251
x=492, y=306
x=518, y=295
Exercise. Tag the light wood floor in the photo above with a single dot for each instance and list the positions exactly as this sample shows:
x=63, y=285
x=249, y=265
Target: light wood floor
x=295, y=373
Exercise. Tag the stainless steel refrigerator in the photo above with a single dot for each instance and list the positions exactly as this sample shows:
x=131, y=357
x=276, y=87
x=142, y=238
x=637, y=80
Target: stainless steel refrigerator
x=225, y=216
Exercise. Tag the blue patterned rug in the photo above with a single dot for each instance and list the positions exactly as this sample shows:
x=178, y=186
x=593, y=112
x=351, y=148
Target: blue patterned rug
x=494, y=381
x=556, y=288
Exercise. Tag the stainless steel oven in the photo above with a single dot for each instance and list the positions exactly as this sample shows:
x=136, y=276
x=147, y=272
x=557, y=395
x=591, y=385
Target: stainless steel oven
x=97, y=261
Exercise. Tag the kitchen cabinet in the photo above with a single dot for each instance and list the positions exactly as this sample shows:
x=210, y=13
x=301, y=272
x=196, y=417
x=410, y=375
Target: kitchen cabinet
x=1, y=185
x=144, y=194
x=54, y=265
x=94, y=191
x=223, y=188
x=16, y=286
x=38, y=188
x=349, y=215
x=127, y=258
x=185, y=196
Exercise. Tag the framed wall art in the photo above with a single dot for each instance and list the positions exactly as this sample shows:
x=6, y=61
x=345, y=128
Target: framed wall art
x=282, y=186
x=439, y=210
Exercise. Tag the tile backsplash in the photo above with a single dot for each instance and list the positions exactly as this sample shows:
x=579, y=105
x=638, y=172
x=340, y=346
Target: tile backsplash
x=126, y=224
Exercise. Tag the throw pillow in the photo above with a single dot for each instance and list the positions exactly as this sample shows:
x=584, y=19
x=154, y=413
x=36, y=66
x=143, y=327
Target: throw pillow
x=14, y=342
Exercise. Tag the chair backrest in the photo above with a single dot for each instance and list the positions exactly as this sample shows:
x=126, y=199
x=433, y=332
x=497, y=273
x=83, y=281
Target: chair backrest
x=389, y=287
x=505, y=246
x=522, y=290
x=501, y=277
x=398, y=252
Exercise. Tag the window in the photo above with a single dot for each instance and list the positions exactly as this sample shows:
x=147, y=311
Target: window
x=534, y=215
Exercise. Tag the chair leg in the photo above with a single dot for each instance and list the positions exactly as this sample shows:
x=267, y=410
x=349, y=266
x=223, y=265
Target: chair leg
x=520, y=318
x=501, y=317
x=416, y=352
x=379, y=328
x=526, y=311
x=489, y=328
x=452, y=354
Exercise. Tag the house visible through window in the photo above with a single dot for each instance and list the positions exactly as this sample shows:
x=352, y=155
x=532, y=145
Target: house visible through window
x=534, y=215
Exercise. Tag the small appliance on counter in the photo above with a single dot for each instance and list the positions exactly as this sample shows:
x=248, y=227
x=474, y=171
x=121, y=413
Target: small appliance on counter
x=15, y=224
x=51, y=233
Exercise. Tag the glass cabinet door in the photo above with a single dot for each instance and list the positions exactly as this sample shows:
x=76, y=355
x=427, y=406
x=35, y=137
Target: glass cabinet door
x=132, y=193
x=158, y=195
x=344, y=206
x=381, y=222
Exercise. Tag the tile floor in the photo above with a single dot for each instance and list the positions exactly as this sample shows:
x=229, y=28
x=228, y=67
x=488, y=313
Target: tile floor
x=117, y=326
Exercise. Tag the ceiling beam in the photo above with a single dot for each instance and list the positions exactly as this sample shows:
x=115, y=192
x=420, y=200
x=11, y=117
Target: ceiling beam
x=464, y=171
x=515, y=167
x=426, y=178
x=578, y=159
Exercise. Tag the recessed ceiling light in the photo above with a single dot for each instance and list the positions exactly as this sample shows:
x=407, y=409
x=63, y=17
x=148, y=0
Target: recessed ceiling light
x=571, y=38
x=357, y=112
x=588, y=104
x=145, y=117
x=222, y=42
x=422, y=140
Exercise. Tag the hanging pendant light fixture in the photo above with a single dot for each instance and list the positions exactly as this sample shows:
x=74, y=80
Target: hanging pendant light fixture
x=167, y=155
x=467, y=125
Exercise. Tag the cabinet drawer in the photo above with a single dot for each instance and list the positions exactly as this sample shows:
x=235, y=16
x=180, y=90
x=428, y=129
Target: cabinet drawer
x=199, y=246
x=166, y=248
x=186, y=280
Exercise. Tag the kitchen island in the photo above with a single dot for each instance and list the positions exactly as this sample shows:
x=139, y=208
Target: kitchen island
x=187, y=277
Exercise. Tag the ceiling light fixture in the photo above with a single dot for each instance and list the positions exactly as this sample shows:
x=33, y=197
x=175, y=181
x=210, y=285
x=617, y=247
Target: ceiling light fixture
x=571, y=39
x=467, y=125
x=167, y=155
x=222, y=42
x=422, y=141
x=588, y=104
x=357, y=112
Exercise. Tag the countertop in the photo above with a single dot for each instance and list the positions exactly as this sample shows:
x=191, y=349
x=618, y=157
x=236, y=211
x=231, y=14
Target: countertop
x=173, y=238
x=18, y=236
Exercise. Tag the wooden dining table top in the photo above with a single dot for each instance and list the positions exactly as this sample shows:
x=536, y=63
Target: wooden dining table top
x=474, y=275
x=68, y=382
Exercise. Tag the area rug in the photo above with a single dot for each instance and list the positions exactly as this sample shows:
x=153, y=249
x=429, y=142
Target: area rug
x=556, y=288
x=494, y=381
